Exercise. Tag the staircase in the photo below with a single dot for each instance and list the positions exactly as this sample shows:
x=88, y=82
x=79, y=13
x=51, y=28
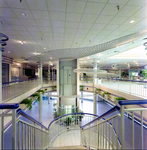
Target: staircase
x=69, y=147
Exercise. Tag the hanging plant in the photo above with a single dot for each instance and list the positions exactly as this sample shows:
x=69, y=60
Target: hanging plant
x=36, y=95
x=97, y=91
x=81, y=88
x=27, y=102
x=54, y=87
x=118, y=99
x=42, y=91
x=106, y=93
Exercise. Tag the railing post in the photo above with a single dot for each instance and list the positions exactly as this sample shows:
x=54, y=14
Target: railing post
x=13, y=128
x=122, y=128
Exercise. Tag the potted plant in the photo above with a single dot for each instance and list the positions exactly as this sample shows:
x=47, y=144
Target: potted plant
x=81, y=88
x=118, y=99
x=67, y=121
x=97, y=91
x=106, y=95
x=27, y=102
x=36, y=95
x=81, y=115
x=54, y=88
x=144, y=73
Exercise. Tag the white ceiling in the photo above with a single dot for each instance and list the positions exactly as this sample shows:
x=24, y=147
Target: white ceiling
x=63, y=24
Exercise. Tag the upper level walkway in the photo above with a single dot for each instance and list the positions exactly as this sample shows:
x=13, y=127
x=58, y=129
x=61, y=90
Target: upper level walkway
x=15, y=92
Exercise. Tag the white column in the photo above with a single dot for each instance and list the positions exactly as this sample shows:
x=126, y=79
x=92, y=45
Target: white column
x=94, y=96
x=78, y=93
x=57, y=81
x=49, y=72
x=40, y=108
x=0, y=89
x=129, y=73
x=40, y=72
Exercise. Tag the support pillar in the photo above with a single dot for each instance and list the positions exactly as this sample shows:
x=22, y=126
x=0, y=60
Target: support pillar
x=94, y=96
x=0, y=90
x=40, y=72
x=40, y=108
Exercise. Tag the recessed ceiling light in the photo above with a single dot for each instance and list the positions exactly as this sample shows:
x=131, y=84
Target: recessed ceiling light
x=23, y=14
x=50, y=57
x=22, y=42
x=44, y=47
x=132, y=21
x=8, y=51
x=98, y=61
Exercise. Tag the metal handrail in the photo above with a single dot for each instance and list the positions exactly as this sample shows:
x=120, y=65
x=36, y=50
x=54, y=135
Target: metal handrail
x=115, y=108
x=132, y=102
x=69, y=115
x=19, y=81
x=122, y=80
x=22, y=113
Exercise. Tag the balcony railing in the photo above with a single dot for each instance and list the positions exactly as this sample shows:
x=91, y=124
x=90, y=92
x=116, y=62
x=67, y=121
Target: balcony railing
x=13, y=89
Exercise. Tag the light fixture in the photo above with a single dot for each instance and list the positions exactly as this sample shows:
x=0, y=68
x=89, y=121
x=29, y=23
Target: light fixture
x=132, y=21
x=8, y=51
x=98, y=61
x=36, y=53
x=22, y=42
x=44, y=47
x=23, y=14
x=50, y=57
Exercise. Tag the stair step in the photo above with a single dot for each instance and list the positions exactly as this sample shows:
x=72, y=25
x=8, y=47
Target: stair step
x=69, y=147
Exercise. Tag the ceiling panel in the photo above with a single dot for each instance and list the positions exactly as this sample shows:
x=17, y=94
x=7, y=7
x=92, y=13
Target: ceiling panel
x=88, y=18
x=128, y=10
x=56, y=5
x=94, y=8
x=39, y=14
x=57, y=16
x=75, y=17
x=37, y=4
x=17, y=4
x=18, y=12
x=104, y=19
x=72, y=24
x=43, y=23
x=76, y=6
x=28, y=22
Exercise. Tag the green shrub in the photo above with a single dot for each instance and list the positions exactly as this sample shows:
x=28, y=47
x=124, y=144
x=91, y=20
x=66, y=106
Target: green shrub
x=97, y=91
x=36, y=95
x=41, y=91
x=81, y=87
x=105, y=93
x=54, y=87
x=27, y=102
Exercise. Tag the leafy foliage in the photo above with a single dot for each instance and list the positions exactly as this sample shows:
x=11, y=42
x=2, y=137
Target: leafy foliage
x=54, y=87
x=81, y=87
x=40, y=91
x=97, y=91
x=144, y=73
x=27, y=102
x=36, y=95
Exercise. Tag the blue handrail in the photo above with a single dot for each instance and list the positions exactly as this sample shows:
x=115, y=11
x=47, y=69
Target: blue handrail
x=20, y=81
x=22, y=113
x=69, y=115
x=132, y=102
x=9, y=106
x=113, y=109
